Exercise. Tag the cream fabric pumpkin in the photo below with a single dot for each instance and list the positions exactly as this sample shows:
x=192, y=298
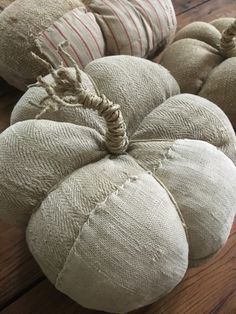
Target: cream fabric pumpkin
x=116, y=206
x=94, y=28
x=203, y=61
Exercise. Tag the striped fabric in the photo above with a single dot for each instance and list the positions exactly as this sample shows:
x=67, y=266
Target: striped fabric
x=105, y=27
x=84, y=35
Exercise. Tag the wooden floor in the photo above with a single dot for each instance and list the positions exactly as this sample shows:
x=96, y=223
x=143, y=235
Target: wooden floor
x=207, y=289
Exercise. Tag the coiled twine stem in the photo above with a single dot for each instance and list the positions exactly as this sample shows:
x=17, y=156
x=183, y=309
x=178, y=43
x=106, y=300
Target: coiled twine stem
x=228, y=41
x=116, y=139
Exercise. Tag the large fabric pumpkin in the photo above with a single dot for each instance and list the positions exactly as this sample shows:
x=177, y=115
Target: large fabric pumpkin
x=117, y=206
x=93, y=28
x=203, y=61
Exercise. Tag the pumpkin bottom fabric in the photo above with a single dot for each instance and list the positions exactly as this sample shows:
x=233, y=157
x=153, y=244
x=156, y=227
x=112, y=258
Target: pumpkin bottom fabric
x=129, y=248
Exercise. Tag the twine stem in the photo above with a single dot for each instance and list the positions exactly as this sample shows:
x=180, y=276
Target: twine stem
x=67, y=91
x=228, y=42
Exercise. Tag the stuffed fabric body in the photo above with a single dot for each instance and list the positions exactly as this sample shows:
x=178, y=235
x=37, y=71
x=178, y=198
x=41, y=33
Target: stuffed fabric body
x=204, y=63
x=93, y=29
x=117, y=231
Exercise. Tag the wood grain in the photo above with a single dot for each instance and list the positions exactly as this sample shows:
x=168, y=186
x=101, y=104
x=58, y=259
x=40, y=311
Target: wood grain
x=184, y=6
x=209, y=11
x=18, y=269
x=209, y=289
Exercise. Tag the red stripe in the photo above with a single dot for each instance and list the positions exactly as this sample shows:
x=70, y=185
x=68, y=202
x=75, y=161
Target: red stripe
x=135, y=25
x=147, y=17
x=55, y=48
x=165, y=12
x=113, y=35
x=172, y=13
x=94, y=38
x=129, y=40
x=81, y=38
x=72, y=47
x=158, y=18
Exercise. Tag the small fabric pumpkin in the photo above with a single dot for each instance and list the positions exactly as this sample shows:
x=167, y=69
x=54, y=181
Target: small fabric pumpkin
x=93, y=28
x=116, y=206
x=203, y=61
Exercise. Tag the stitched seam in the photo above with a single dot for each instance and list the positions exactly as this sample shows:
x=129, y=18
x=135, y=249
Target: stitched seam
x=97, y=208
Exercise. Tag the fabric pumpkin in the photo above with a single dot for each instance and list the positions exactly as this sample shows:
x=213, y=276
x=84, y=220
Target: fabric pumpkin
x=93, y=28
x=116, y=206
x=203, y=61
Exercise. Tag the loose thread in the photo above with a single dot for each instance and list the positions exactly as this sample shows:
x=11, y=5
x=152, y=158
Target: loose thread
x=67, y=91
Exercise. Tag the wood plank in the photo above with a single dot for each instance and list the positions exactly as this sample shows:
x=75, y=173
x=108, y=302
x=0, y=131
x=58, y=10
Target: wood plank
x=184, y=6
x=18, y=270
x=207, y=12
x=45, y=299
x=8, y=98
x=210, y=288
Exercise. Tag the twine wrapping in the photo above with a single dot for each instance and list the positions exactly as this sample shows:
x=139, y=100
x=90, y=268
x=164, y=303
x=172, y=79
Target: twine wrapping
x=116, y=138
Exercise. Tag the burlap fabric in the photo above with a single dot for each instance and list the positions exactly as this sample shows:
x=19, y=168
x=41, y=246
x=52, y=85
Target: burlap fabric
x=94, y=29
x=203, y=61
x=116, y=230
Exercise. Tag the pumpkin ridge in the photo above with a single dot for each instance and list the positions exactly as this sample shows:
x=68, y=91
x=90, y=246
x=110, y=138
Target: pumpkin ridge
x=162, y=184
x=77, y=238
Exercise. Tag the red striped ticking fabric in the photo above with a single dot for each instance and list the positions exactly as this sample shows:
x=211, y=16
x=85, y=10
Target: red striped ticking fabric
x=105, y=27
x=83, y=34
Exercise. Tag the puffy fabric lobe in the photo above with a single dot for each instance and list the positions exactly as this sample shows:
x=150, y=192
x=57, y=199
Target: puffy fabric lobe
x=93, y=29
x=137, y=85
x=190, y=117
x=32, y=102
x=47, y=151
x=134, y=27
x=98, y=273
x=222, y=91
x=192, y=65
x=201, y=31
x=222, y=23
x=208, y=53
x=195, y=182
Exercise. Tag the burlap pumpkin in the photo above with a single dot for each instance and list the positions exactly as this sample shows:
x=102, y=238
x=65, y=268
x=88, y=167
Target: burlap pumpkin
x=117, y=205
x=203, y=61
x=93, y=28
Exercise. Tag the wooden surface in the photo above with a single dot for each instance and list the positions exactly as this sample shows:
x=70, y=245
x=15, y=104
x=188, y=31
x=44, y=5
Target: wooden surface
x=208, y=289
